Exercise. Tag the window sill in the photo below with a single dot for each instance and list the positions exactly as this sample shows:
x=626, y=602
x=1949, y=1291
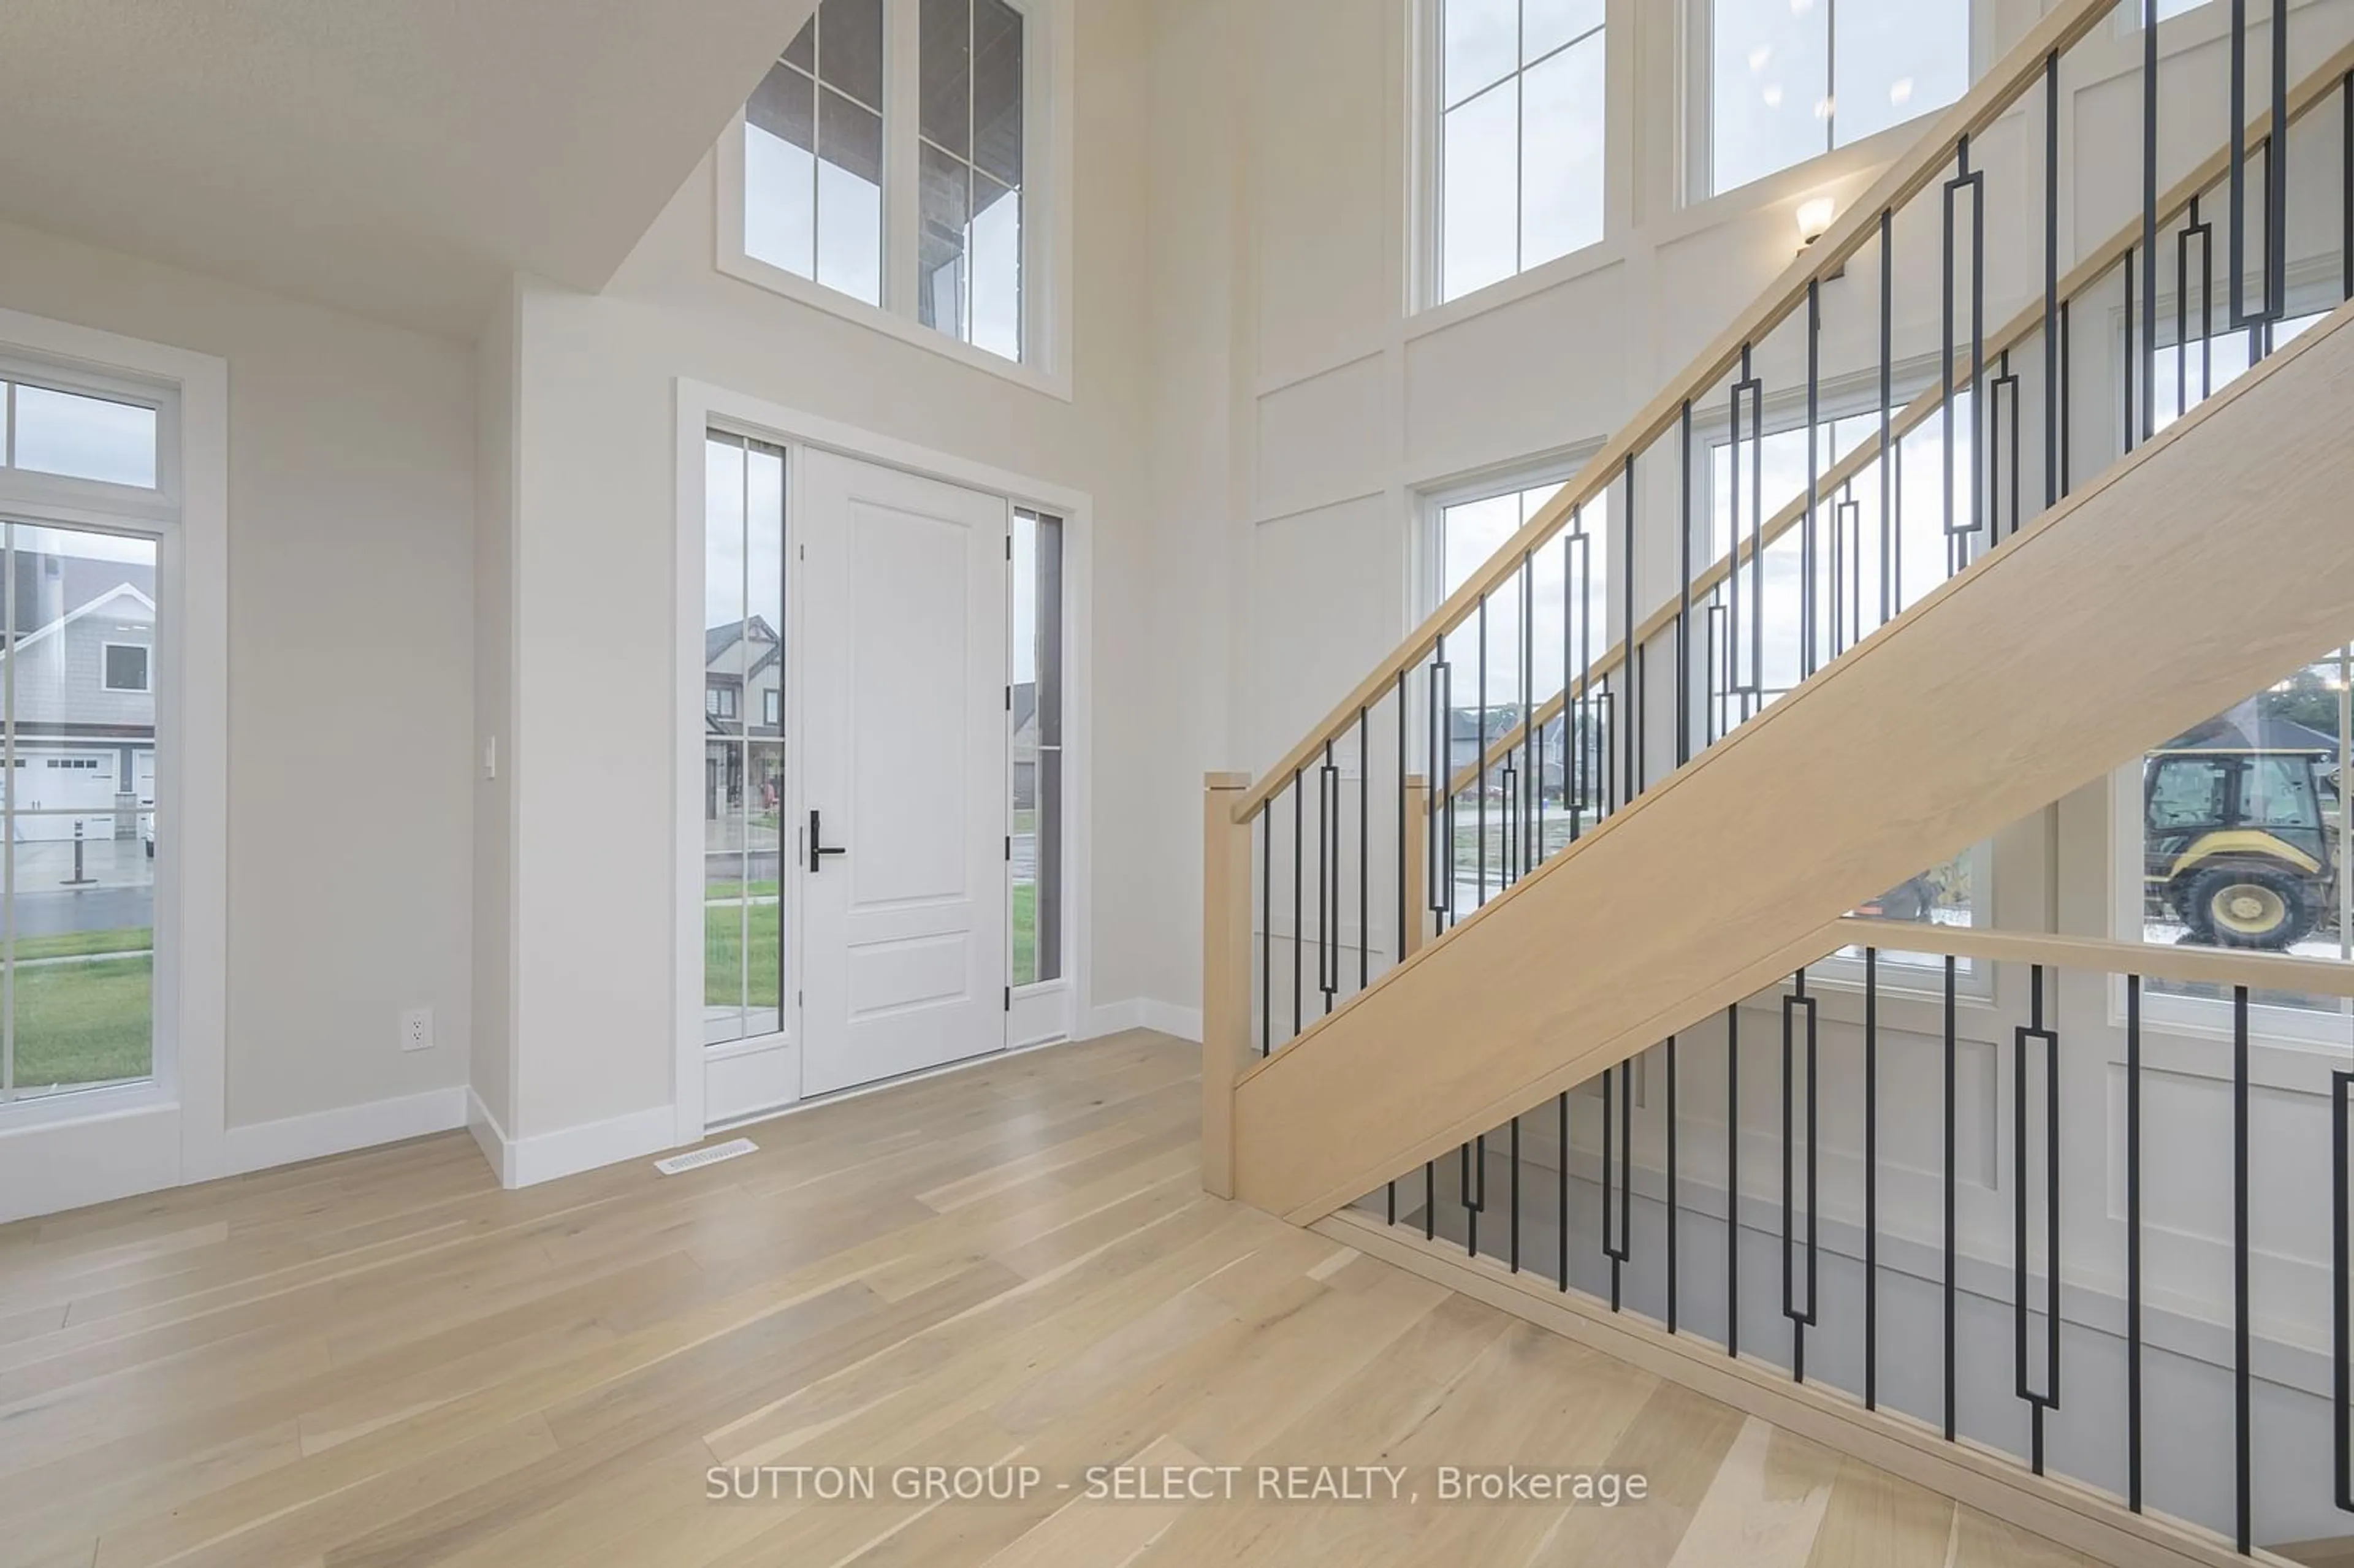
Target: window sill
x=735, y=263
x=1601, y=255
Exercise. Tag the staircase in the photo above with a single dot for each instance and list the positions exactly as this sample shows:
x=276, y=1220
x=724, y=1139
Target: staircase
x=1492, y=993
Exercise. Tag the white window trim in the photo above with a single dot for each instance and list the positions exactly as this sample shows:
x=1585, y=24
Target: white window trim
x=1426, y=163
x=701, y=408
x=1695, y=124
x=83, y=1147
x=1046, y=200
x=147, y=667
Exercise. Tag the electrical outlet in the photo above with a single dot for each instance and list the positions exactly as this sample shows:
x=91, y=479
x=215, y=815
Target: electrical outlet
x=416, y=1029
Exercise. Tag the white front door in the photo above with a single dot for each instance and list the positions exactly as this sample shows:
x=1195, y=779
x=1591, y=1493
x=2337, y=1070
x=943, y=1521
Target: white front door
x=903, y=643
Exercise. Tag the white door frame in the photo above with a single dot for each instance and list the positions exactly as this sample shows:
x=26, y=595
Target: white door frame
x=700, y=406
x=174, y=1131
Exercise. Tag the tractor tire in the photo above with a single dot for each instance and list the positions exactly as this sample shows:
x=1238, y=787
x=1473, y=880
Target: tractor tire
x=2248, y=906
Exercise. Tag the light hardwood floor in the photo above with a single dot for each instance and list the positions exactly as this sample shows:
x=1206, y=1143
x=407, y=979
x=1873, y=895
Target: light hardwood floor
x=382, y=1359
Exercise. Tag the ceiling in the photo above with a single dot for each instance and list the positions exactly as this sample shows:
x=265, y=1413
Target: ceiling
x=393, y=157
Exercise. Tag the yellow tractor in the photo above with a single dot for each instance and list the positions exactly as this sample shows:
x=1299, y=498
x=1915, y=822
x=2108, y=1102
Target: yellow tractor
x=2235, y=843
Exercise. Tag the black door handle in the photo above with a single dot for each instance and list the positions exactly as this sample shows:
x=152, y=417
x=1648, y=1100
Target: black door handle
x=816, y=844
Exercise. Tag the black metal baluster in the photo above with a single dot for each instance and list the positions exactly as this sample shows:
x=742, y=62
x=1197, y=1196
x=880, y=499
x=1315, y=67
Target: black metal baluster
x=2133, y=1243
x=1474, y=1168
x=1531, y=797
x=2144, y=361
x=2346, y=187
x=1632, y=664
x=1671, y=1180
x=2049, y=1397
x=1733, y=1180
x=1561, y=1197
x=2241, y=1425
x=2067, y=398
x=1683, y=673
x=1297, y=838
x=1328, y=877
x=1515, y=1218
x=2005, y=381
x=1403, y=914
x=2341, y=1299
x=2132, y=426
x=1887, y=397
x=1807, y=631
x=2276, y=181
x=1266, y=930
x=2204, y=233
x=1480, y=789
x=1800, y=1322
x=1429, y=1199
x=1364, y=852
x=1872, y=1177
x=2051, y=278
x=1949, y=1196
x=1613, y=1241
x=1958, y=532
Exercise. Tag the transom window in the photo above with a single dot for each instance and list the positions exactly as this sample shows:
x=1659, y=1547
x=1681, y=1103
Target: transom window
x=73, y=435
x=1791, y=79
x=896, y=177
x=1520, y=136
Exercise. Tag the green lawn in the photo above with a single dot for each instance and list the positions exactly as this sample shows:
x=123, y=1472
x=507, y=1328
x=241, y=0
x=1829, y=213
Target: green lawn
x=1026, y=932
x=723, y=953
x=75, y=944
x=80, y=1023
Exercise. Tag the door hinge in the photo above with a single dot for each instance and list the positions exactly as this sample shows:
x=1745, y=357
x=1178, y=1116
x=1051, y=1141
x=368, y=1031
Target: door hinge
x=1009, y=699
x=1009, y=846
x=797, y=999
x=1009, y=547
x=1009, y=999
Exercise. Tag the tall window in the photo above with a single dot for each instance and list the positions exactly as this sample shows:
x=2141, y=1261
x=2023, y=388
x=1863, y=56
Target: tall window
x=744, y=950
x=1791, y=79
x=813, y=153
x=1035, y=710
x=79, y=662
x=1566, y=629
x=1520, y=136
x=968, y=273
x=841, y=112
x=1860, y=580
x=2236, y=834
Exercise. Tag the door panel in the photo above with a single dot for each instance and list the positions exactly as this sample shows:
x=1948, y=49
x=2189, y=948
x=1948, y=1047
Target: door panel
x=903, y=638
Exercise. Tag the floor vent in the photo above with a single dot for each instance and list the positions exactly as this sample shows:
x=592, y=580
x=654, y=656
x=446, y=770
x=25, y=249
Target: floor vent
x=703, y=1157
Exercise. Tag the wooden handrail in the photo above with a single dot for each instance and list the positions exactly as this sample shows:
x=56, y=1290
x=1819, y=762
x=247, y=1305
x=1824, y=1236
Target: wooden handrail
x=2191, y=966
x=2059, y=30
x=2303, y=97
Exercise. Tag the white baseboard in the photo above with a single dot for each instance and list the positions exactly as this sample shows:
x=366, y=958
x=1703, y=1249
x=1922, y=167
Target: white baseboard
x=260, y=1145
x=527, y=1162
x=50, y=1167
x=1143, y=1013
x=1185, y=1022
x=1109, y=1018
x=491, y=1139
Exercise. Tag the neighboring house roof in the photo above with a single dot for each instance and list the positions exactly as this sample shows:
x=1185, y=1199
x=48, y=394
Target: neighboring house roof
x=115, y=595
x=718, y=639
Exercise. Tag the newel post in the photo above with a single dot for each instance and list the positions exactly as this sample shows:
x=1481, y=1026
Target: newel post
x=1226, y=971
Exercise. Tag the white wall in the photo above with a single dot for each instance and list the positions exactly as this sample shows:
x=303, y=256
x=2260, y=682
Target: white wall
x=491, y=1069
x=350, y=649
x=593, y=639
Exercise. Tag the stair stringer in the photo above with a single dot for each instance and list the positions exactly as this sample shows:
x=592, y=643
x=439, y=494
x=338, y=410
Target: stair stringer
x=2212, y=560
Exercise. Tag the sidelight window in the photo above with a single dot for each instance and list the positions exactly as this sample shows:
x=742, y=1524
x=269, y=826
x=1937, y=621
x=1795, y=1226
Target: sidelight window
x=744, y=949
